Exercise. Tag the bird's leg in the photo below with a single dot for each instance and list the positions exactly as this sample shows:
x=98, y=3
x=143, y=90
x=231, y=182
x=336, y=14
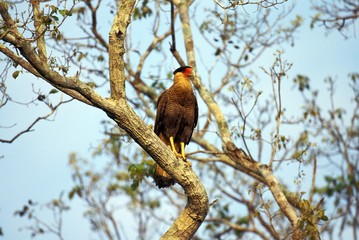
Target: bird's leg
x=172, y=142
x=183, y=154
x=182, y=150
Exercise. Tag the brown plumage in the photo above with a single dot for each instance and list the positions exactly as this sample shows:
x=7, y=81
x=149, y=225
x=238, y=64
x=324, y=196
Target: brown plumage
x=176, y=117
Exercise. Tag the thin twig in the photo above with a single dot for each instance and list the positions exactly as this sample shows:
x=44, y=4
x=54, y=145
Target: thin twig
x=29, y=128
x=173, y=49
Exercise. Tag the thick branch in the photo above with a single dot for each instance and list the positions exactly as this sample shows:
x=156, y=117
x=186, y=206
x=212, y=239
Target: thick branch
x=117, y=48
x=278, y=194
x=196, y=209
x=26, y=65
x=197, y=205
x=40, y=29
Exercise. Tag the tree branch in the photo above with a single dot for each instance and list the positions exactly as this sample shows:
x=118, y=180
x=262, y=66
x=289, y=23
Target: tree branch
x=173, y=48
x=40, y=29
x=29, y=128
x=94, y=23
x=26, y=65
x=117, y=38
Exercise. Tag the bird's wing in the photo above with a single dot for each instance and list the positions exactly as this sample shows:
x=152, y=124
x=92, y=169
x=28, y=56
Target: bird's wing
x=161, y=108
x=195, y=113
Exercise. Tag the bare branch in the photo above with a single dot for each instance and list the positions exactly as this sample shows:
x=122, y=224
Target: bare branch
x=94, y=23
x=336, y=15
x=30, y=127
x=173, y=48
x=261, y=3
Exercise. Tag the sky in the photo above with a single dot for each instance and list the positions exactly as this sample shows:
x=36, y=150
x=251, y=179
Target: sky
x=35, y=166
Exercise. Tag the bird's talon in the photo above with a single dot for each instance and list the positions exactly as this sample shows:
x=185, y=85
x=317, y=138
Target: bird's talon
x=188, y=162
x=178, y=155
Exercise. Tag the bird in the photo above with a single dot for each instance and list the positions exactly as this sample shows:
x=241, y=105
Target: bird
x=176, y=118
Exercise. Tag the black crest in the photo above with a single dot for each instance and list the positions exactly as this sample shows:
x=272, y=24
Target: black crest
x=180, y=69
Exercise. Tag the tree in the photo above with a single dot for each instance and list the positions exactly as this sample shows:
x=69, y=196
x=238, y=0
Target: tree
x=233, y=113
x=340, y=15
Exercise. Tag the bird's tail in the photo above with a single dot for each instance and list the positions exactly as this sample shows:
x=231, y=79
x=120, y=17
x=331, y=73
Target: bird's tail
x=162, y=178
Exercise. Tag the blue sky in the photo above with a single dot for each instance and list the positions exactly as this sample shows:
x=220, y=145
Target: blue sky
x=35, y=166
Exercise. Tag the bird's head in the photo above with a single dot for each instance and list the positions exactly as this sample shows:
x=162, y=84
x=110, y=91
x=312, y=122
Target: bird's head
x=186, y=71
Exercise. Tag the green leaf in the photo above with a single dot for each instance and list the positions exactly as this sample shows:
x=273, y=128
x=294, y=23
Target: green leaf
x=53, y=8
x=55, y=18
x=113, y=187
x=75, y=190
x=100, y=58
x=324, y=218
x=53, y=91
x=15, y=74
x=65, y=12
x=135, y=184
x=302, y=82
